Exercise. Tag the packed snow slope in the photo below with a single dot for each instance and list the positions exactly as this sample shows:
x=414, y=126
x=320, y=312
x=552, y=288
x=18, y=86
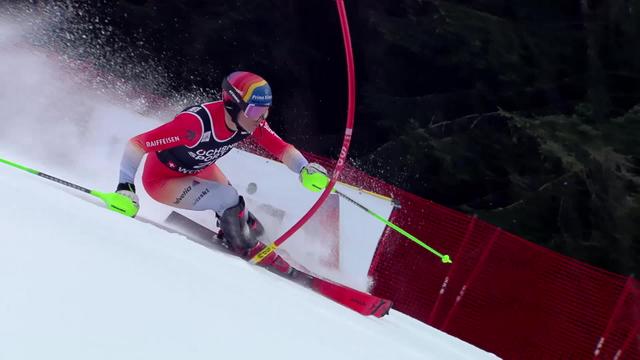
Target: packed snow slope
x=80, y=282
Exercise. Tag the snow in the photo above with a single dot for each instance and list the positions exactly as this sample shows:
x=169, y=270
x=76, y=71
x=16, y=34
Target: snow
x=80, y=282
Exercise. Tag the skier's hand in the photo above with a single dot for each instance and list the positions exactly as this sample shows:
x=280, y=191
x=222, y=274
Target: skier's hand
x=314, y=177
x=128, y=190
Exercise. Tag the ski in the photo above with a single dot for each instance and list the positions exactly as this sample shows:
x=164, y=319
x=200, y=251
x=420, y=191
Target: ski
x=361, y=302
x=358, y=301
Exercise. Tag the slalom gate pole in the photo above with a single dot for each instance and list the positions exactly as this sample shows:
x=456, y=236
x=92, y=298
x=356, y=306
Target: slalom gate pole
x=445, y=258
x=346, y=141
x=116, y=202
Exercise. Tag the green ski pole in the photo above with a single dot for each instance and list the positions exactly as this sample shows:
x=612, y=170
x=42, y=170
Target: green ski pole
x=445, y=258
x=114, y=201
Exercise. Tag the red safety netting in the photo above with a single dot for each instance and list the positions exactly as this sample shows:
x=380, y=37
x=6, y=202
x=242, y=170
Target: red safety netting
x=502, y=293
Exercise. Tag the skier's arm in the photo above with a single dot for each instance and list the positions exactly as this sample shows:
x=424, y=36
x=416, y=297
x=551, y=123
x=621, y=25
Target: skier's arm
x=184, y=129
x=282, y=150
x=312, y=176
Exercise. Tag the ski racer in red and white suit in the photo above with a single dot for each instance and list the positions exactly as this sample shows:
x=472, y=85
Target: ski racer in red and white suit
x=180, y=169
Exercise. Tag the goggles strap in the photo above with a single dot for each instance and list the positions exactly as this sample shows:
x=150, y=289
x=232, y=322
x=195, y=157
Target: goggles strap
x=238, y=101
x=234, y=94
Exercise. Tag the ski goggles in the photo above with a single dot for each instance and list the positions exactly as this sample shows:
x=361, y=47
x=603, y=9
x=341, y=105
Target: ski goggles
x=256, y=112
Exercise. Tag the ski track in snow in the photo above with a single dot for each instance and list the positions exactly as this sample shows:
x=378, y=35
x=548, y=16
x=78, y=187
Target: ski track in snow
x=80, y=282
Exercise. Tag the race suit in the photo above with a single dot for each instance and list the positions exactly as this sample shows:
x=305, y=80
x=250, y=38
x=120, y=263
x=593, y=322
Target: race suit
x=180, y=168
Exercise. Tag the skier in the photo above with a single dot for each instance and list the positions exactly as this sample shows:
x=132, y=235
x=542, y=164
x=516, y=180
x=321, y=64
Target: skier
x=180, y=169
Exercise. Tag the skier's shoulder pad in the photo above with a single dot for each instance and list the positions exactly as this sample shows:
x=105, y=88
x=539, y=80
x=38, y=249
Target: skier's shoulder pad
x=199, y=111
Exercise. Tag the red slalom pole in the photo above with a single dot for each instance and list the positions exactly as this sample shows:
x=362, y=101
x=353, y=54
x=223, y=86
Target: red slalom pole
x=351, y=83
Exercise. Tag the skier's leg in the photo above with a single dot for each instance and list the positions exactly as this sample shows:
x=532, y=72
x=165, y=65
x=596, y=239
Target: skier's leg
x=193, y=193
x=214, y=173
x=211, y=191
x=241, y=229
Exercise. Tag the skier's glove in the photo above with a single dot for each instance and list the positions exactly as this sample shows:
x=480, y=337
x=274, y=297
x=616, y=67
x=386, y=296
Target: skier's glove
x=314, y=177
x=128, y=190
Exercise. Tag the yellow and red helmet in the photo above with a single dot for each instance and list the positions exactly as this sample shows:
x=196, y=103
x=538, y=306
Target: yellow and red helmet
x=247, y=92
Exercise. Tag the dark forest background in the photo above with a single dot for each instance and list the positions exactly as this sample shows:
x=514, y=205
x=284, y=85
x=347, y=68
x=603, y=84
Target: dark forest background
x=526, y=113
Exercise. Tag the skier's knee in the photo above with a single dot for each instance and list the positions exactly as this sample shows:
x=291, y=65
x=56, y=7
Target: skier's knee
x=226, y=199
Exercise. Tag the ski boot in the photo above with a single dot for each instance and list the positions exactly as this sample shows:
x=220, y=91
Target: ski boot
x=239, y=232
x=238, y=228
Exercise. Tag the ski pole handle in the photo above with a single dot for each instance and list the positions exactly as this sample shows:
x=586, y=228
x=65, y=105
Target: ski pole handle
x=116, y=202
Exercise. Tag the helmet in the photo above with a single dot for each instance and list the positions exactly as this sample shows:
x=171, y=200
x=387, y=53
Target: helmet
x=245, y=91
